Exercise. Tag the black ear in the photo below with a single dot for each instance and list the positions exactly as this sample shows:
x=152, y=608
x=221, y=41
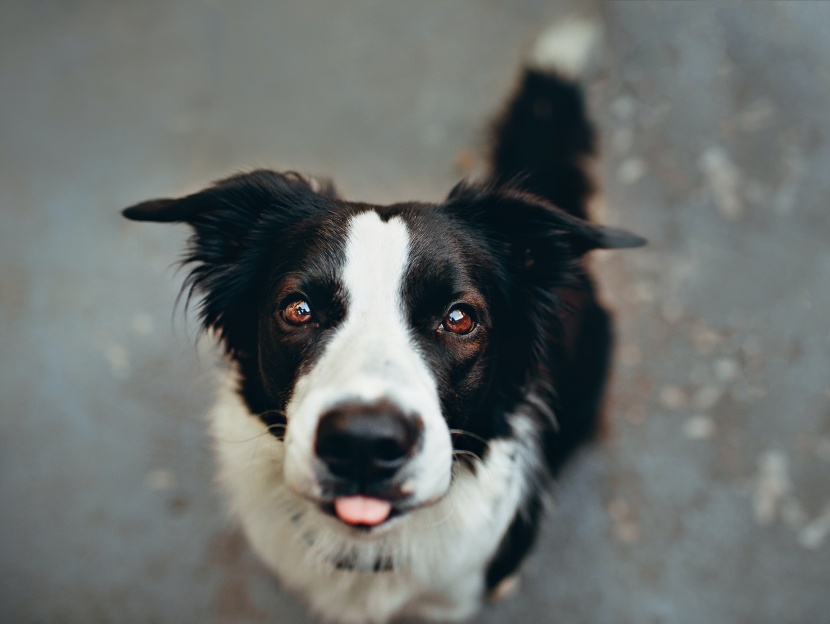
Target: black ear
x=161, y=210
x=247, y=193
x=530, y=222
x=236, y=223
x=585, y=235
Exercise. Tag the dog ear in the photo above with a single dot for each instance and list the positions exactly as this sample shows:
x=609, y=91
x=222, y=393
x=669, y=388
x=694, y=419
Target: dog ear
x=246, y=193
x=534, y=224
x=235, y=221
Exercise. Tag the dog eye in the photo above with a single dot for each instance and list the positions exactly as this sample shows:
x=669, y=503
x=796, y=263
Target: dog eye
x=458, y=321
x=298, y=312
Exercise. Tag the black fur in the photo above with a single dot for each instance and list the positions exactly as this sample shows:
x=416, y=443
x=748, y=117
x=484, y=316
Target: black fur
x=512, y=246
x=543, y=141
x=541, y=146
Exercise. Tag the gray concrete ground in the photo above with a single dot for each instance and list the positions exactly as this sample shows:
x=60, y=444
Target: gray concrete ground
x=708, y=499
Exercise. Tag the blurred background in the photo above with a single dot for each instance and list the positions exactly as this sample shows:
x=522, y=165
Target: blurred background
x=708, y=497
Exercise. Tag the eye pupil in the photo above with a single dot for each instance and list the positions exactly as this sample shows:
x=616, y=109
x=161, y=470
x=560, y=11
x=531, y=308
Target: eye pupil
x=458, y=321
x=297, y=312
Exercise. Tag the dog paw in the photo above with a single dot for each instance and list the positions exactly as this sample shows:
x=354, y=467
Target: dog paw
x=505, y=589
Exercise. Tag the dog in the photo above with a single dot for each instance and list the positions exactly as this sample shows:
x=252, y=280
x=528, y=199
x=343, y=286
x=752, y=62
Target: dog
x=404, y=381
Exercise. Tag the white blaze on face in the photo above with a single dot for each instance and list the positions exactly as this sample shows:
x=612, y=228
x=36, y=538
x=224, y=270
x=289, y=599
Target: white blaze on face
x=370, y=357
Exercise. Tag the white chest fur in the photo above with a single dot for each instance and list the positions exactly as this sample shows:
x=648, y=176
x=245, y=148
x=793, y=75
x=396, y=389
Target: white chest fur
x=436, y=556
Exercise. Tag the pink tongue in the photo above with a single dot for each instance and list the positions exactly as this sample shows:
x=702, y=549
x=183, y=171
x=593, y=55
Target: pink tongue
x=362, y=510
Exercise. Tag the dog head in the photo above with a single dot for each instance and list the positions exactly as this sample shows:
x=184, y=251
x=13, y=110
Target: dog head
x=379, y=341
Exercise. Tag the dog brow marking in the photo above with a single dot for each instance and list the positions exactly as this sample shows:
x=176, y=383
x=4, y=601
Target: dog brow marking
x=376, y=258
x=373, y=342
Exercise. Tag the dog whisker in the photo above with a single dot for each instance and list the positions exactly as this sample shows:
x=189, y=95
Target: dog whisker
x=446, y=517
x=467, y=454
x=259, y=435
x=471, y=435
x=476, y=460
x=256, y=445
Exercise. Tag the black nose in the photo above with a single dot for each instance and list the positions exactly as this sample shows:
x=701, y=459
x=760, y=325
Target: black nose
x=366, y=443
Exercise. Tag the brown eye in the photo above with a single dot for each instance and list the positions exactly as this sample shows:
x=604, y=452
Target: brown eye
x=297, y=312
x=458, y=321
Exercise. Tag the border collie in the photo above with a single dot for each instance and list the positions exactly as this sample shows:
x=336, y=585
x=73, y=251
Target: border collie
x=405, y=380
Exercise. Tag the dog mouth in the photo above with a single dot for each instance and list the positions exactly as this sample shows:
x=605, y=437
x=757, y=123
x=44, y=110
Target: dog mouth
x=361, y=512
x=367, y=513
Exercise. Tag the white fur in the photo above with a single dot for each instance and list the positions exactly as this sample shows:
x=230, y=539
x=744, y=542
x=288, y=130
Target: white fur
x=439, y=553
x=568, y=47
x=371, y=357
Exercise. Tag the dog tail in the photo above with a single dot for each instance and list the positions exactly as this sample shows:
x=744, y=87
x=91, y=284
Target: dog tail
x=544, y=140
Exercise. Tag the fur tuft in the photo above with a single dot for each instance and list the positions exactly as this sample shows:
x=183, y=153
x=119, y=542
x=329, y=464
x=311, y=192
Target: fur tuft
x=569, y=47
x=543, y=142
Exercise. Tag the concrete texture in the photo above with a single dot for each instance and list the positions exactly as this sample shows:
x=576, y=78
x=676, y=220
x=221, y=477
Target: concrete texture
x=708, y=499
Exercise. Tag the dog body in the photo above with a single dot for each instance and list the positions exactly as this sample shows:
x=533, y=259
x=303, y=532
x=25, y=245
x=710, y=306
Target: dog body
x=404, y=380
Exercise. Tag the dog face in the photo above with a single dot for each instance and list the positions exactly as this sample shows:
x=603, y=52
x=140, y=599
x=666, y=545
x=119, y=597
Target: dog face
x=382, y=343
x=364, y=410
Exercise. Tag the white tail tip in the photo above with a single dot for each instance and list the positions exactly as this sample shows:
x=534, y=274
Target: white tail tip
x=569, y=47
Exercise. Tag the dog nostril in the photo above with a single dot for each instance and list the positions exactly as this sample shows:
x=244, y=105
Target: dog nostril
x=333, y=447
x=366, y=442
x=389, y=450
